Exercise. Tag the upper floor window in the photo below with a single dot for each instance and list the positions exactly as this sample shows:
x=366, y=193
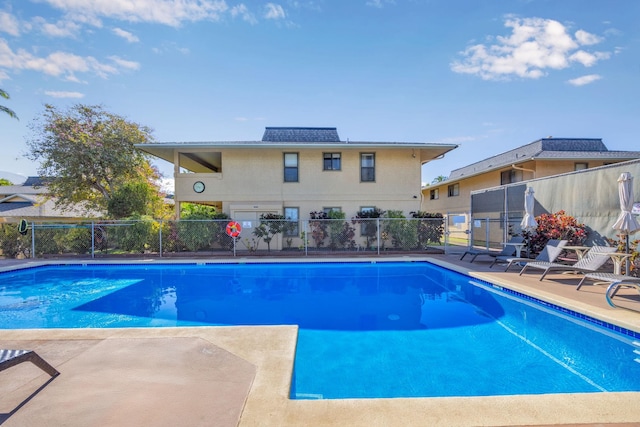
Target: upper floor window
x=581, y=166
x=367, y=167
x=331, y=161
x=510, y=176
x=290, y=167
x=434, y=194
x=454, y=190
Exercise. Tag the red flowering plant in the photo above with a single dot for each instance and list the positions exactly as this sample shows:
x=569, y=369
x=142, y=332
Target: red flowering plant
x=559, y=226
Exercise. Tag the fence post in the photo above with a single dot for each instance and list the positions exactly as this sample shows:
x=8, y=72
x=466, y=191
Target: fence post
x=93, y=240
x=378, y=234
x=487, y=233
x=160, y=236
x=33, y=240
x=306, y=238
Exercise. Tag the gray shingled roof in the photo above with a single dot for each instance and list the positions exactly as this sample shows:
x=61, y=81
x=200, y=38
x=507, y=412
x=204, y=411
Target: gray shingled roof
x=548, y=148
x=298, y=134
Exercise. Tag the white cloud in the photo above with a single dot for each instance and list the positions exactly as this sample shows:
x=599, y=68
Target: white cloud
x=60, y=64
x=9, y=24
x=379, y=3
x=585, y=80
x=131, y=65
x=534, y=47
x=167, y=12
x=131, y=38
x=170, y=47
x=588, y=59
x=59, y=94
x=274, y=11
x=585, y=38
x=62, y=28
x=242, y=11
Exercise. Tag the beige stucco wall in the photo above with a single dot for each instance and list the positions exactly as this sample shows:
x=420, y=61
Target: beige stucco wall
x=255, y=176
x=462, y=203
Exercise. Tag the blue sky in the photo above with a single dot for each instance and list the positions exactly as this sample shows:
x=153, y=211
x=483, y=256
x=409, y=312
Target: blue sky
x=485, y=74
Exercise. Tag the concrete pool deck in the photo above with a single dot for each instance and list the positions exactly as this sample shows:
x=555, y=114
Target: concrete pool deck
x=228, y=376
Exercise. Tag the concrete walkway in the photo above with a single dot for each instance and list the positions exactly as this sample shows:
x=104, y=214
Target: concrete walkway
x=228, y=376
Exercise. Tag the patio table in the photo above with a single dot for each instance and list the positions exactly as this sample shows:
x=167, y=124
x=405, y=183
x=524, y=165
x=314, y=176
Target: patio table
x=617, y=258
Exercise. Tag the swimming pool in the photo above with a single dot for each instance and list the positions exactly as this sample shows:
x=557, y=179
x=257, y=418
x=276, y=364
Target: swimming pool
x=386, y=329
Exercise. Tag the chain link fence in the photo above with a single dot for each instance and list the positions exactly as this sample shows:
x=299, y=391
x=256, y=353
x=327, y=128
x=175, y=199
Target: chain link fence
x=183, y=238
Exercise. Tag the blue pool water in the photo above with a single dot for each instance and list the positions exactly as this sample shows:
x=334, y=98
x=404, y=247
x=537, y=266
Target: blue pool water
x=384, y=329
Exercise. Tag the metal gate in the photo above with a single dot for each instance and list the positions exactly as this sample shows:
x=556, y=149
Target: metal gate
x=457, y=232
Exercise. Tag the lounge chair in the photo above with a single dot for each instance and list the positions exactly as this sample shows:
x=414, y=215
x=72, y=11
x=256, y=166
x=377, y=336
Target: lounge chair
x=591, y=262
x=606, y=278
x=549, y=254
x=508, y=250
x=9, y=358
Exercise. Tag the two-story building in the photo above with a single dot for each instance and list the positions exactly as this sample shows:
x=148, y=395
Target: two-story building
x=293, y=171
x=541, y=158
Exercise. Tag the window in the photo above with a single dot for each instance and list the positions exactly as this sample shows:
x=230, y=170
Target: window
x=367, y=167
x=368, y=225
x=434, y=194
x=331, y=162
x=331, y=209
x=291, y=228
x=581, y=166
x=454, y=190
x=510, y=176
x=290, y=167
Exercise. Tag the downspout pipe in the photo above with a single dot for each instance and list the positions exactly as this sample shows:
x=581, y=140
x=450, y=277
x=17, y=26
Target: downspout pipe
x=524, y=169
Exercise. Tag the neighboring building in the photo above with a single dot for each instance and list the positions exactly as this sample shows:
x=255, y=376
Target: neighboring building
x=293, y=171
x=30, y=201
x=541, y=158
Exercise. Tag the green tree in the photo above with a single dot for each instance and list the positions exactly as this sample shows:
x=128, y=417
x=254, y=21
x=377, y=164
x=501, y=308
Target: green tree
x=4, y=109
x=270, y=225
x=133, y=198
x=439, y=178
x=87, y=153
x=5, y=181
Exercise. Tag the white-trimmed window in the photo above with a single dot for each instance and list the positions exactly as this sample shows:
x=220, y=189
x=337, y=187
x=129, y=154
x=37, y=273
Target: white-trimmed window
x=434, y=194
x=367, y=167
x=331, y=161
x=453, y=190
x=290, y=167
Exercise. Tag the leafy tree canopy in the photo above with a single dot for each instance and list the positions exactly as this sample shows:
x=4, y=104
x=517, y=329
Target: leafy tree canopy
x=4, y=109
x=87, y=153
x=5, y=181
x=198, y=211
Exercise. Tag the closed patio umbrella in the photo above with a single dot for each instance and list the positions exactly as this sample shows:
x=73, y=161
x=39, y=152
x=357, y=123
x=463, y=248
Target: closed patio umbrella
x=528, y=221
x=626, y=222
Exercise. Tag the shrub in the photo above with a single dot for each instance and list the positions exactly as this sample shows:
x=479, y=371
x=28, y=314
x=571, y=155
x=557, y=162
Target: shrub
x=368, y=227
x=558, y=225
x=201, y=227
x=431, y=229
x=270, y=225
x=318, y=227
x=12, y=243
